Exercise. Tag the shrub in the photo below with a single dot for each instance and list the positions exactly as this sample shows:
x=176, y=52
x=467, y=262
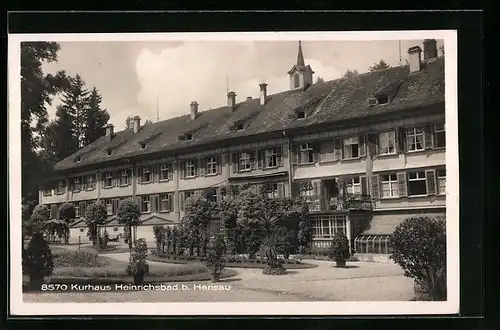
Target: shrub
x=37, y=260
x=128, y=214
x=418, y=245
x=78, y=259
x=215, y=260
x=339, y=249
x=138, y=266
x=95, y=216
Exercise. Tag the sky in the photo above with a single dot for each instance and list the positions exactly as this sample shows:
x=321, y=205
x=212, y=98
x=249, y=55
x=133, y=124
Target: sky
x=137, y=78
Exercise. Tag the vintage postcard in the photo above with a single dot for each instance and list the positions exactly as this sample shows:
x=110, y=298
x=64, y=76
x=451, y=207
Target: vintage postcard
x=309, y=173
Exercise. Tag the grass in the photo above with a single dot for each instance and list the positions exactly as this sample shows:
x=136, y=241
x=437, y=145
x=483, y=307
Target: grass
x=243, y=263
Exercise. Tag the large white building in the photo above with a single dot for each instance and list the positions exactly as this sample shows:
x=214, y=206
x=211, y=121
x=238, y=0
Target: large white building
x=382, y=133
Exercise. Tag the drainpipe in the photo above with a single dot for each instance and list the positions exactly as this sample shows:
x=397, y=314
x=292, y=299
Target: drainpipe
x=67, y=189
x=290, y=166
x=98, y=186
x=176, y=191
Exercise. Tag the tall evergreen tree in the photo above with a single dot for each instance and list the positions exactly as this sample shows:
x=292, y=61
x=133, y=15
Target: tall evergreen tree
x=96, y=118
x=381, y=65
x=37, y=91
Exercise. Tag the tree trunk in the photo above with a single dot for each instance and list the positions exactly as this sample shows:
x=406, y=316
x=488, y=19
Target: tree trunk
x=130, y=238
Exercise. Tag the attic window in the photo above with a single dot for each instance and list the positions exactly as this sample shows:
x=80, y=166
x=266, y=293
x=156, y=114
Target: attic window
x=301, y=115
x=78, y=159
x=382, y=99
x=239, y=127
x=109, y=152
x=143, y=145
x=188, y=136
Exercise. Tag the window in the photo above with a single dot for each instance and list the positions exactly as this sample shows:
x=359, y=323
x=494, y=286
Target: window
x=115, y=228
x=108, y=179
x=77, y=185
x=416, y=183
x=389, y=185
x=439, y=136
x=90, y=182
x=146, y=204
x=301, y=115
x=382, y=99
x=387, y=143
x=296, y=81
x=211, y=165
x=165, y=202
x=415, y=138
x=61, y=187
x=239, y=127
x=190, y=169
x=146, y=175
x=353, y=185
x=327, y=226
x=77, y=210
x=143, y=145
x=272, y=190
x=110, y=152
x=245, y=161
x=378, y=244
x=188, y=194
x=81, y=230
x=124, y=178
x=351, y=147
x=78, y=159
x=441, y=174
x=164, y=172
x=306, y=153
x=109, y=207
x=271, y=157
x=47, y=192
x=188, y=136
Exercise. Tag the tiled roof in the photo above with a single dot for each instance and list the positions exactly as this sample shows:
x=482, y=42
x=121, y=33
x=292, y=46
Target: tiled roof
x=325, y=102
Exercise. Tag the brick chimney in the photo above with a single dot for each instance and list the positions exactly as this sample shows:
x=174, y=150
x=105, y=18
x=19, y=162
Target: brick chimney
x=430, y=49
x=263, y=93
x=109, y=131
x=137, y=124
x=415, y=58
x=194, y=110
x=231, y=100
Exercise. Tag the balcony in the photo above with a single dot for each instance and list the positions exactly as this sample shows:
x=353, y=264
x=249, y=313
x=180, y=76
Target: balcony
x=349, y=202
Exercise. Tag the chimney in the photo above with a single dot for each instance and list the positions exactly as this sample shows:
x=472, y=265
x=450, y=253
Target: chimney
x=231, y=100
x=415, y=58
x=263, y=93
x=109, y=131
x=137, y=123
x=430, y=49
x=194, y=110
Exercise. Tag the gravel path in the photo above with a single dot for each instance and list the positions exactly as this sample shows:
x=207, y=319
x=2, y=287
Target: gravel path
x=361, y=281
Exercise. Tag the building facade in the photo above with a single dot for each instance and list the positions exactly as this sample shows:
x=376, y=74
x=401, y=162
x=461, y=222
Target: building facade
x=366, y=152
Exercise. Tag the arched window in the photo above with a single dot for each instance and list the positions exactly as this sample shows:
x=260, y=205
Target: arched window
x=296, y=80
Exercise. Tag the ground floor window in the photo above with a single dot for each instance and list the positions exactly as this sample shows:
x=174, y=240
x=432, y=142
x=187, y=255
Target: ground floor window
x=326, y=226
x=378, y=244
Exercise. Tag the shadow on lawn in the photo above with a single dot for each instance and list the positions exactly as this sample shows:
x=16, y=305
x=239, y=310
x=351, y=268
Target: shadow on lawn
x=346, y=266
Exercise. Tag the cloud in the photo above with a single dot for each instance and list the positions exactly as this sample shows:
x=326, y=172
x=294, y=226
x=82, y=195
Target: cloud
x=202, y=72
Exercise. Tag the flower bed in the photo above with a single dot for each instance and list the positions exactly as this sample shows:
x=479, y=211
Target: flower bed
x=232, y=262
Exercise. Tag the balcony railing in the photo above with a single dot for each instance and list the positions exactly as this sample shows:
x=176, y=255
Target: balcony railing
x=346, y=203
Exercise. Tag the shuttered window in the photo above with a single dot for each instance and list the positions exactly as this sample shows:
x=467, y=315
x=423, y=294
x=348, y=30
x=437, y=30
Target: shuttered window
x=439, y=136
x=211, y=165
x=387, y=143
x=351, y=147
x=430, y=176
x=441, y=181
x=389, y=183
x=417, y=184
x=402, y=186
x=166, y=202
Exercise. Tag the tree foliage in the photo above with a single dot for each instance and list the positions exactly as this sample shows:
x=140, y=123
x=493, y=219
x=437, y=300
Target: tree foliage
x=160, y=236
x=198, y=213
x=37, y=260
x=67, y=214
x=320, y=80
x=418, y=245
x=381, y=65
x=216, y=253
x=95, y=216
x=339, y=249
x=128, y=214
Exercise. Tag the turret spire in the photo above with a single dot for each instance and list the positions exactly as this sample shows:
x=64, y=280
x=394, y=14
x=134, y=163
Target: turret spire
x=300, y=56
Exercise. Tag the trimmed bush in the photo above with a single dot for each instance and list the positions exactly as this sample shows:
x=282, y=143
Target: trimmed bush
x=81, y=259
x=37, y=260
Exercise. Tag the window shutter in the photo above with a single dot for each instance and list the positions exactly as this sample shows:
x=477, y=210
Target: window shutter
x=170, y=202
x=430, y=178
x=295, y=189
x=139, y=175
x=279, y=156
x=364, y=188
x=113, y=178
x=295, y=155
x=182, y=198
x=84, y=183
x=154, y=203
x=253, y=159
x=219, y=164
x=182, y=169
x=139, y=201
x=102, y=179
x=82, y=209
x=285, y=153
x=362, y=145
x=281, y=189
x=316, y=188
x=156, y=172
x=429, y=141
x=375, y=191
x=401, y=137
x=402, y=187
x=170, y=170
x=260, y=161
x=316, y=152
x=129, y=176
x=373, y=144
x=235, y=162
x=202, y=165
x=337, y=145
